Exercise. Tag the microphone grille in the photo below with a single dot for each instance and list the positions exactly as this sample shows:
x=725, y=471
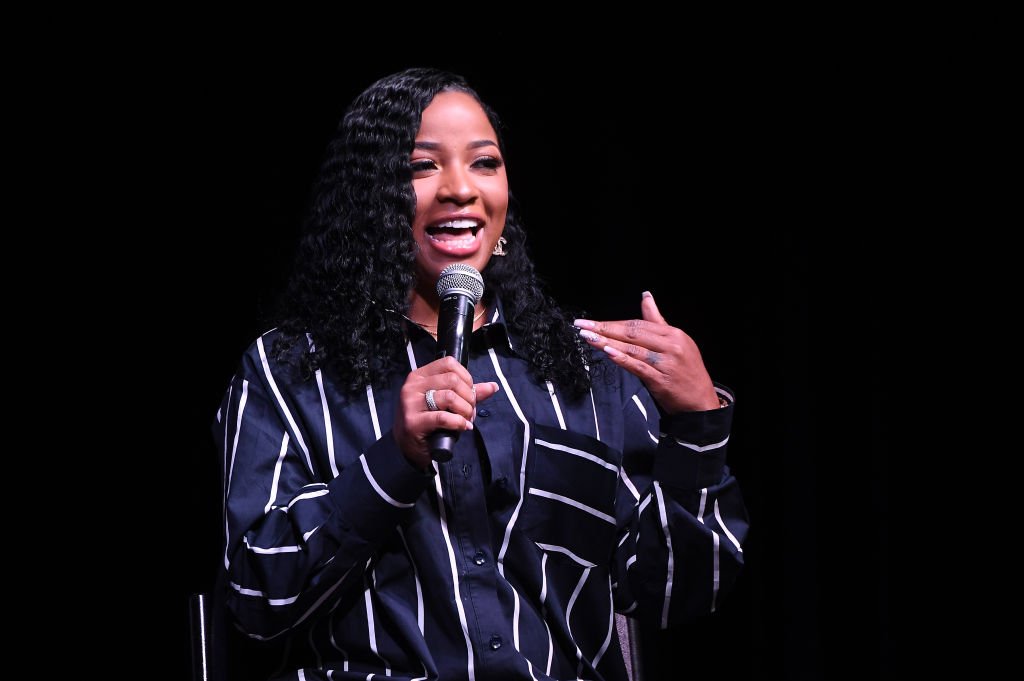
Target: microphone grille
x=460, y=278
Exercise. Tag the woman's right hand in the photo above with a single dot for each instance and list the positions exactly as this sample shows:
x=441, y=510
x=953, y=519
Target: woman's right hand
x=455, y=396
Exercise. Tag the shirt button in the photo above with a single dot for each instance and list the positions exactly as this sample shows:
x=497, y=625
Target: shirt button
x=495, y=642
x=479, y=558
x=483, y=412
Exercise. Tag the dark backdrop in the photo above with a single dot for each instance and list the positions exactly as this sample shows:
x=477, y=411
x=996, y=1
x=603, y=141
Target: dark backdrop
x=734, y=195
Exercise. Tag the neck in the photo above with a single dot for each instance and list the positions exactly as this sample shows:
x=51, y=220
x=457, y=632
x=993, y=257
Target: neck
x=431, y=326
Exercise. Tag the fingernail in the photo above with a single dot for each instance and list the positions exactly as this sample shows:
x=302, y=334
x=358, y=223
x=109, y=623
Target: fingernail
x=469, y=425
x=496, y=386
x=646, y=294
x=584, y=324
x=590, y=336
x=612, y=352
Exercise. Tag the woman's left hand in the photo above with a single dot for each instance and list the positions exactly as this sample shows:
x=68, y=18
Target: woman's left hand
x=662, y=356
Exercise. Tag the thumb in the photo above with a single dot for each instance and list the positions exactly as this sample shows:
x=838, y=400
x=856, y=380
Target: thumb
x=485, y=390
x=649, y=309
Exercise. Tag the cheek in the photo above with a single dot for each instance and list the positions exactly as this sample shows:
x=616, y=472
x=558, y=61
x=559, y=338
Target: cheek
x=423, y=198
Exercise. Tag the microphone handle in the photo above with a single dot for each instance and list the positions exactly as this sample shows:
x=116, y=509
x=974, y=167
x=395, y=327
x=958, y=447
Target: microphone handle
x=454, y=326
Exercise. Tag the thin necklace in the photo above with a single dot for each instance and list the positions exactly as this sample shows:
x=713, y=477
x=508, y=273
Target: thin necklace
x=428, y=327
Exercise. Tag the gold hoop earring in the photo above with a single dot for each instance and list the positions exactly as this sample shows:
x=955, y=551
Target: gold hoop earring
x=499, y=248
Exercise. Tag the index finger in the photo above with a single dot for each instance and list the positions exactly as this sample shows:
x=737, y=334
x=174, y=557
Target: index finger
x=445, y=365
x=627, y=330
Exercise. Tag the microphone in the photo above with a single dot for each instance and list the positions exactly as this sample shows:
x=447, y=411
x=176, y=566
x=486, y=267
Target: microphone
x=459, y=287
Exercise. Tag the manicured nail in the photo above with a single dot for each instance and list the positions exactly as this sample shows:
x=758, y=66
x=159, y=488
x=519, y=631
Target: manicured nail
x=646, y=294
x=469, y=425
x=612, y=352
x=590, y=335
x=584, y=324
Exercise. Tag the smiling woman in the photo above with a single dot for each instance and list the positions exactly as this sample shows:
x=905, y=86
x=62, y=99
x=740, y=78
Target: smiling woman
x=461, y=194
x=590, y=480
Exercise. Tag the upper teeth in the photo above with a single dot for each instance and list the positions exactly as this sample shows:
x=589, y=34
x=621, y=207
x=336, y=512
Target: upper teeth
x=457, y=224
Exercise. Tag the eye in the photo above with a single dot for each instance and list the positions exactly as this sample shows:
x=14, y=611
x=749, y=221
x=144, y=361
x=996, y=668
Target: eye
x=490, y=163
x=422, y=165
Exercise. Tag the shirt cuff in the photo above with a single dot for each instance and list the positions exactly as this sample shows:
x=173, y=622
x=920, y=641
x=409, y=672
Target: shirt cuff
x=379, y=483
x=693, y=446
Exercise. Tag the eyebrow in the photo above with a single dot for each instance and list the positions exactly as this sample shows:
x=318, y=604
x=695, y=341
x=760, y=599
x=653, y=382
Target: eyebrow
x=434, y=146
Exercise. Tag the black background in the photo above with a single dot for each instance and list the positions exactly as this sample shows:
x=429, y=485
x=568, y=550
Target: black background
x=736, y=192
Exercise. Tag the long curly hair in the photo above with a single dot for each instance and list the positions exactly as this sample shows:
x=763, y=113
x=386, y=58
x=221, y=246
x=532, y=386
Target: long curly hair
x=354, y=270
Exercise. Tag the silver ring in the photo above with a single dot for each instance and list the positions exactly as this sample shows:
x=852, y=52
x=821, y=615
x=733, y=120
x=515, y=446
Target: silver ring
x=429, y=397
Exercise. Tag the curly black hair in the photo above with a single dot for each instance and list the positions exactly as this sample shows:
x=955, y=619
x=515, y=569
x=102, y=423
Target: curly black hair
x=354, y=269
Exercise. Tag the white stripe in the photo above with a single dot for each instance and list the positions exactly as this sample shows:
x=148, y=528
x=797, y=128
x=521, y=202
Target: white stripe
x=310, y=611
x=494, y=317
x=703, y=502
x=272, y=601
x=572, y=502
x=578, y=452
x=370, y=626
x=515, y=619
x=373, y=412
x=455, y=573
x=544, y=609
x=726, y=394
x=643, y=410
x=593, y=405
x=522, y=469
x=640, y=406
x=224, y=473
x=309, y=495
x=231, y=468
x=671, y=557
x=280, y=401
x=698, y=448
x=412, y=357
x=328, y=430
x=643, y=504
x=270, y=551
x=629, y=484
x=377, y=488
x=277, y=473
x=721, y=523
x=622, y=541
x=714, y=578
x=554, y=403
x=567, y=552
x=611, y=627
x=630, y=561
x=202, y=623
x=302, y=674
x=307, y=535
x=568, y=614
x=218, y=413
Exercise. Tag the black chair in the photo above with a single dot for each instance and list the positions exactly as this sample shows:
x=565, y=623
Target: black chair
x=209, y=664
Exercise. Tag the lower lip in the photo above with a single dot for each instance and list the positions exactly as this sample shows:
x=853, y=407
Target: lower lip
x=457, y=247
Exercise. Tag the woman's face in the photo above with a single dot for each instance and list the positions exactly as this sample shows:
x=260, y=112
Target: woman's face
x=460, y=184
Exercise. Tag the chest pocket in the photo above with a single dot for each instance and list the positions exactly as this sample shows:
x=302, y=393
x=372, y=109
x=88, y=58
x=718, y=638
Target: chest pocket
x=569, y=500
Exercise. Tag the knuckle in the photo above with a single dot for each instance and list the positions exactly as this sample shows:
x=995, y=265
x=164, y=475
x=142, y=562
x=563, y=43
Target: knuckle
x=634, y=328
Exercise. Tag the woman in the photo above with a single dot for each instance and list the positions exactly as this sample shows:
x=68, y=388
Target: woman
x=587, y=480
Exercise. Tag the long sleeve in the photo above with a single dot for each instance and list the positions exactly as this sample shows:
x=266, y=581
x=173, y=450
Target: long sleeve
x=296, y=536
x=682, y=519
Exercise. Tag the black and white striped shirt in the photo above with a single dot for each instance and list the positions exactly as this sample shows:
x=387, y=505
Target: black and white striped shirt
x=507, y=563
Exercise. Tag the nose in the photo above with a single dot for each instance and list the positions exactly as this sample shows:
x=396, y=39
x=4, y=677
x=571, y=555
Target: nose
x=456, y=185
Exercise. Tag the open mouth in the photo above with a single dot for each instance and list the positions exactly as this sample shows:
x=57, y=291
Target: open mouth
x=455, y=234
